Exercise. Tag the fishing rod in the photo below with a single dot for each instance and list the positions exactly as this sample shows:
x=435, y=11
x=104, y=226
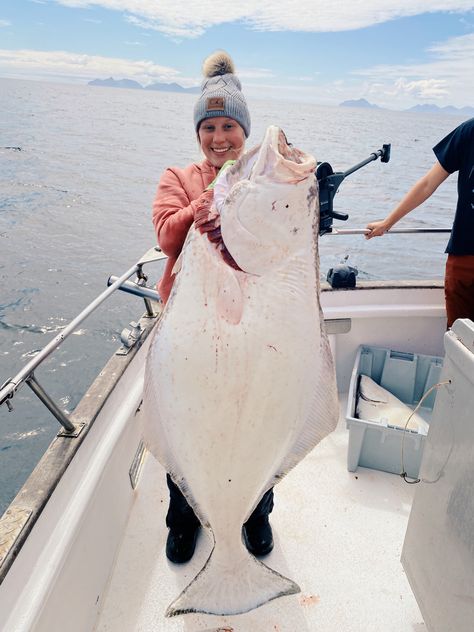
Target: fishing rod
x=329, y=182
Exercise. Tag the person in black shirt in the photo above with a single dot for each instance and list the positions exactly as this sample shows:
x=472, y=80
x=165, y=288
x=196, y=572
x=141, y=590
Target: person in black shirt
x=454, y=153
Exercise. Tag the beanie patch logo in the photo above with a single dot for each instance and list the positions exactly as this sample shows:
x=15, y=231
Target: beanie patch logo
x=215, y=103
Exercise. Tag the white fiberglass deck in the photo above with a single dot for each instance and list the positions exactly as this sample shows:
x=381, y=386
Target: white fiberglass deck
x=338, y=534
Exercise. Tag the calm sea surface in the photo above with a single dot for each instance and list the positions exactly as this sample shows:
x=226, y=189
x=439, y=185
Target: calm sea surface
x=75, y=200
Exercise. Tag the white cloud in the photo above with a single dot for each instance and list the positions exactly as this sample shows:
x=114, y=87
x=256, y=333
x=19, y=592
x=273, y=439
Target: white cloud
x=41, y=64
x=455, y=48
x=446, y=78
x=192, y=18
x=4, y=23
x=174, y=31
x=424, y=89
x=255, y=73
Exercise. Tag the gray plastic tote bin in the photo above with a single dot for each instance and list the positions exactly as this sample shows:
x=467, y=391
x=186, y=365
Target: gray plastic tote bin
x=407, y=376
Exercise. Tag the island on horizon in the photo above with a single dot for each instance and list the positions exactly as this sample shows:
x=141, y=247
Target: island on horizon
x=351, y=103
x=134, y=85
x=359, y=103
x=423, y=108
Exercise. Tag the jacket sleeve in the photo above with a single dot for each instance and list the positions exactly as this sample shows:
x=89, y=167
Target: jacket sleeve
x=173, y=213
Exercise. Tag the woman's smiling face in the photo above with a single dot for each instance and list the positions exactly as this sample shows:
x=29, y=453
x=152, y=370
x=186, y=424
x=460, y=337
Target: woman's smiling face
x=221, y=139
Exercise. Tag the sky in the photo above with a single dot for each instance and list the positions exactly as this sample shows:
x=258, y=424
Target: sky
x=394, y=53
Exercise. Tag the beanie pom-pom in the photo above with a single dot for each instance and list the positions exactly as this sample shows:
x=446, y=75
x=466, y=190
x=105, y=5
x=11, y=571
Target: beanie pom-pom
x=219, y=63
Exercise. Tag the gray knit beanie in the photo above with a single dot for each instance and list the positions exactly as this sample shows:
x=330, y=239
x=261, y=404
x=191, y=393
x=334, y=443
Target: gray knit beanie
x=221, y=93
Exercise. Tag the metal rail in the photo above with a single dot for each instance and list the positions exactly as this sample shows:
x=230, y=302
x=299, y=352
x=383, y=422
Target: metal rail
x=26, y=375
x=364, y=231
x=137, y=290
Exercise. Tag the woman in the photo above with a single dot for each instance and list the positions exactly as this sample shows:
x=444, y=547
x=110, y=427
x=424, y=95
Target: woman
x=222, y=124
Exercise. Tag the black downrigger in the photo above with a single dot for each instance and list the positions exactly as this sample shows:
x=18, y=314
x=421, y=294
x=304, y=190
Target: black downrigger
x=341, y=275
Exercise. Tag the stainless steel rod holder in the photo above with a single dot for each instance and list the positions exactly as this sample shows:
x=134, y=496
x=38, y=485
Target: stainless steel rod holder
x=137, y=290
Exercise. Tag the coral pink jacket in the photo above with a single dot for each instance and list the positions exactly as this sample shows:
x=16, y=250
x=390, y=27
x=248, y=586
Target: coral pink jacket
x=178, y=196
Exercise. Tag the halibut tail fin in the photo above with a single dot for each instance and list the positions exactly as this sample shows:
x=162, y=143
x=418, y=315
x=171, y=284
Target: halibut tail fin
x=221, y=590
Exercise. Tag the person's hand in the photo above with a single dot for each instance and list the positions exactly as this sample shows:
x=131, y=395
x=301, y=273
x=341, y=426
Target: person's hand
x=205, y=219
x=228, y=163
x=376, y=229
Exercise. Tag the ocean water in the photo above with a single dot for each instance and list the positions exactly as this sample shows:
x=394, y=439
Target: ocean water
x=79, y=167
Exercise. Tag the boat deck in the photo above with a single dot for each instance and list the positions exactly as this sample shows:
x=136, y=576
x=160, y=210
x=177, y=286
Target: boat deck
x=338, y=534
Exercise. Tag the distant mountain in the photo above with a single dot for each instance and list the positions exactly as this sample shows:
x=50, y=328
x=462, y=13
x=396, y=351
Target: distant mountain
x=116, y=83
x=171, y=87
x=129, y=83
x=447, y=109
x=358, y=103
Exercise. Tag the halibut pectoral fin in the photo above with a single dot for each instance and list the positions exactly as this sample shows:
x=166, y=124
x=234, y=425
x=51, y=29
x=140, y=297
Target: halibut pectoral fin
x=235, y=590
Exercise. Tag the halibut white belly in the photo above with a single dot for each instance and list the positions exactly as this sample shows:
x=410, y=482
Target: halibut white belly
x=240, y=383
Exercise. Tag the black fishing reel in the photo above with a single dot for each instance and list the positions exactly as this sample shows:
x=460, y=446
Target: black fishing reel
x=329, y=183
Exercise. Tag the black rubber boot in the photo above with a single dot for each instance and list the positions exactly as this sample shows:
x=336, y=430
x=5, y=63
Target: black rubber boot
x=258, y=536
x=181, y=543
x=183, y=526
x=257, y=532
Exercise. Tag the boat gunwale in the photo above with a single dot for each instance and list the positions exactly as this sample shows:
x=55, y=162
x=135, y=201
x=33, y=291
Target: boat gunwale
x=395, y=284
x=28, y=504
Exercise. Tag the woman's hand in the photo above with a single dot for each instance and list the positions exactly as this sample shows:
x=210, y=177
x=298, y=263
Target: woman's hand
x=376, y=229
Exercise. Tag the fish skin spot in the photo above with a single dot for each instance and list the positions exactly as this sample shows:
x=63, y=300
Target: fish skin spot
x=309, y=600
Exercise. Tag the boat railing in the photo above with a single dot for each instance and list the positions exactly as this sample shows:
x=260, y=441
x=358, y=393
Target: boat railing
x=392, y=231
x=27, y=373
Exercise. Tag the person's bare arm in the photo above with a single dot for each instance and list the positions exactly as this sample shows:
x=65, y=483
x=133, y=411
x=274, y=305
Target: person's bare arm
x=420, y=192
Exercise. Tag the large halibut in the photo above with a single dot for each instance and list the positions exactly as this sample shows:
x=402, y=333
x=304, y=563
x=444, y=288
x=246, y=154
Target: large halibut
x=240, y=383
